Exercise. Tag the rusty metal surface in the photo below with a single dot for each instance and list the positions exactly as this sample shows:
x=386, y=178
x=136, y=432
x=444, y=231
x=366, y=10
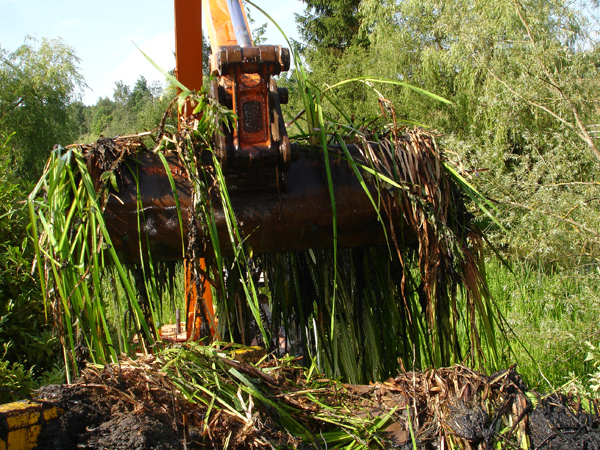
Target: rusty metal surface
x=158, y=215
x=298, y=218
x=245, y=85
x=253, y=58
x=200, y=311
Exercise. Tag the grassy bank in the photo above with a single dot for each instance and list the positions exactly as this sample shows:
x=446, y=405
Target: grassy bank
x=551, y=312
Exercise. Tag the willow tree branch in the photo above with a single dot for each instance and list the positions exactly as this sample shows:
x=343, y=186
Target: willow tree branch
x=557, y=216
x=581, y=129
x=533, y=103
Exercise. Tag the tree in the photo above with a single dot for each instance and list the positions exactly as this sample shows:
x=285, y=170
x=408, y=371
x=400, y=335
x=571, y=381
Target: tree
x=333, y=48
x=80, y=115
x=121, y=92
x=523, y=79
x=38, y=82
x=330, y=24
x=131, y=110
x=140, y=94
x=102, y=115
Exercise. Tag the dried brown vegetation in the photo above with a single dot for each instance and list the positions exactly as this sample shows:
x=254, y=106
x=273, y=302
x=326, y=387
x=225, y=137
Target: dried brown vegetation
x=147, y=404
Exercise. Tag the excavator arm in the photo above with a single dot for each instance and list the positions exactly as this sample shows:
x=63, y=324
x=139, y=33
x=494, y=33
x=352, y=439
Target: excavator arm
x=279, y=192
x=258, y=144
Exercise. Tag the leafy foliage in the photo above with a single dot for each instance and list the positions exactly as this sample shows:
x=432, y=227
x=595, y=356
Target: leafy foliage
x=27, y=346
x=69, y=233
x=551, y=313
x=588, y=385
x=131, y=110
x=421, y=288
x=15, y=381
x=522, y=79
x=594, y=356
x=330, y=24
x=74, y=250
x=226, y=401
x=500, y=65
x=38, y=82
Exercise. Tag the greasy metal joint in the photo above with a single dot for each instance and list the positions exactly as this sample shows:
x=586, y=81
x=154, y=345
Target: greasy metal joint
x=238, y=21
x=260, y=139
x=251, y=59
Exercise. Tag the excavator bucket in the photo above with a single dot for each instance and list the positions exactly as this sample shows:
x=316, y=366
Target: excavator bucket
x=299, y=217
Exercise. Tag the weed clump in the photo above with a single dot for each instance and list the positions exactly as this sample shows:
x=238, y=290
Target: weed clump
x=201, y=397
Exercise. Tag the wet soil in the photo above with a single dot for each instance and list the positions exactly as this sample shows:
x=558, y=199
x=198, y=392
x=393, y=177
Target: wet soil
x=560, y=423
x=95, y=419
x=136, y=409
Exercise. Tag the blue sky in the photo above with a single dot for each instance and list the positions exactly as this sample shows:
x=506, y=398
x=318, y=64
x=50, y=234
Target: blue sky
x=103, y=33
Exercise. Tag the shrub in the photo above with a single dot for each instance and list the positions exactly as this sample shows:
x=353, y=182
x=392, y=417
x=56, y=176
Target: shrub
x=28, y=346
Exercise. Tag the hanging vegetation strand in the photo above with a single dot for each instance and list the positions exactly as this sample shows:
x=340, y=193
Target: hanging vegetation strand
x=423, y=305
x=361, y=313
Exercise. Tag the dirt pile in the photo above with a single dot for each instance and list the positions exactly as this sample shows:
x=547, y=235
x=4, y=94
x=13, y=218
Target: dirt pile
x=153, y=403
x=110, y=413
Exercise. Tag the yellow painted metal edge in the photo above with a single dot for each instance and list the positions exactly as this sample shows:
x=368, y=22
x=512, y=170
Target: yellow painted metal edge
x=21, y=423
x=251, y=354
